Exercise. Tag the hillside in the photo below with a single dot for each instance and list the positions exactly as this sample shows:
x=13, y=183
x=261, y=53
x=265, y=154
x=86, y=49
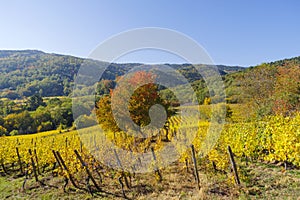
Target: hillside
x=24, y=73
x=262, y=129
x=271, y=88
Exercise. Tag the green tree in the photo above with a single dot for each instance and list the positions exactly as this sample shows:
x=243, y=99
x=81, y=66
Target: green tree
x=53, y=102
x=3, y=131
x=104, y=87
x=62, y=115
x=42, y=118
x=45, y=126
x=1, y=121
x=34, y=102
x=14, y=132
x=23, y=122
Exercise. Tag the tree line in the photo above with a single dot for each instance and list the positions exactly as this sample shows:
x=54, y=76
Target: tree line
x=35, y=115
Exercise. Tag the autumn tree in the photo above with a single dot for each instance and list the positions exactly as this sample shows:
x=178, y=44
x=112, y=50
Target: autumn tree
x=138, y=104
x=273, y=88
x=287, y=90
x=258, y=85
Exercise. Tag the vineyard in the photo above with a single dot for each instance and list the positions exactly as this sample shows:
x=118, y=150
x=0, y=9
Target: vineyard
x=85, y=162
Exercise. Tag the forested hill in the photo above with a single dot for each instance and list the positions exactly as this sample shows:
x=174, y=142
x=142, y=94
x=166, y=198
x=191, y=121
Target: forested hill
x=24, y=73
x=273, y=88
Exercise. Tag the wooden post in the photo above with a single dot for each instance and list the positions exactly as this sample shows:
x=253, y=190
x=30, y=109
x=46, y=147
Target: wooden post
x=166, y=127
x=33, y=166
x=37, y=161
x=187, y=165
x=26, y=177
x=236, y=176
x=66, y=142
x=84, y=165
x=247, y=160
x=195, y=166
x=156, y=170
x=19, y=160
x=66, y=183
x=122, y=187
x=285, y=163
x=66, y=168
x=214, y=165
x=87, y=181
x=57, y=159
x=3, y=167
x=120, y=165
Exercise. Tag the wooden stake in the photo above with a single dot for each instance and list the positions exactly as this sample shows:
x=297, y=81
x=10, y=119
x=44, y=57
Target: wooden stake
x=214, y=166
x=19, y=160
x=195, y=166
x=66, y=168
x=122, y=186
x=57, y=159
x=120, y=165
x=33, y=166
x=37, y=161
x=233, y=164
x=187, y=165
x=26, y=177
x=3, y=167
x=156, y=170
x=66, y=142
x=84, y=165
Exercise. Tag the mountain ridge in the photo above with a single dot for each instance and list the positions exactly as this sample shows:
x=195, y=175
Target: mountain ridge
x=24, y=73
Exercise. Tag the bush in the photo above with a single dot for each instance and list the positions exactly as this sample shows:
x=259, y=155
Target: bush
x=45, y=126
x=3, y=131
x=14, y=132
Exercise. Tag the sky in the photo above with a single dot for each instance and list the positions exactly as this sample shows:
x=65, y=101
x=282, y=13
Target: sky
x=233, y=32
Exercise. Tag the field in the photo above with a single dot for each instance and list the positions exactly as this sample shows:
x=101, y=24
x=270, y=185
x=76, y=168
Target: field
x=82, y=165
x=265, y=181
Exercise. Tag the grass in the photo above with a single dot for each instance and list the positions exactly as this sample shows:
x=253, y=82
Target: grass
x=277, y=183
x=258, y=181
x=11, y=188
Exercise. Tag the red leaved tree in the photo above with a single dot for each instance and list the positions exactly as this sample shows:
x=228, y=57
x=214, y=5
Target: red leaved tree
x=131, y=100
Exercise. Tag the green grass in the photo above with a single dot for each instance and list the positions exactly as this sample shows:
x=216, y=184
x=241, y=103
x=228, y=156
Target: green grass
x=258, y=181
x=11, y=188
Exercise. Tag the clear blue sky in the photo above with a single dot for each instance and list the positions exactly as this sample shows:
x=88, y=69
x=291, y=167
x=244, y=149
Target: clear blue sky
x=233, y=32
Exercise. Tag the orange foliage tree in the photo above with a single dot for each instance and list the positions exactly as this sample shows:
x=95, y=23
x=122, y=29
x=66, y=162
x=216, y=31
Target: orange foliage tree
x=138, y=104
